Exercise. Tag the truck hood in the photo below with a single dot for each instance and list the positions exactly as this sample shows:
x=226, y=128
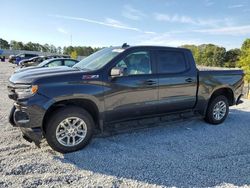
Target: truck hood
x=29, y=76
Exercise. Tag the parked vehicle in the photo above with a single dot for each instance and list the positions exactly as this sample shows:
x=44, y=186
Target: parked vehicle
x=20, y=57
x=51, y=63
x=12, y=58
x=37, y=60
x=2, y=58
x=66, y=105
x=31, y=60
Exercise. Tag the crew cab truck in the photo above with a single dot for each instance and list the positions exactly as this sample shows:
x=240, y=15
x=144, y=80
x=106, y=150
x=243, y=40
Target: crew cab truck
x=66, y=105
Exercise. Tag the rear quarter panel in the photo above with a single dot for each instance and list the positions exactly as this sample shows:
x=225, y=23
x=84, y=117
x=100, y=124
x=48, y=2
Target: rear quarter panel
x=212, y=80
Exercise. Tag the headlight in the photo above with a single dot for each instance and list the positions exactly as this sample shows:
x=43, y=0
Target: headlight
x=25, y=91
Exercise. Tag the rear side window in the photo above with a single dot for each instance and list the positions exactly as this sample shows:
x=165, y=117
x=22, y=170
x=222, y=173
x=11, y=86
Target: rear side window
x=170, y=61
x=69, y=63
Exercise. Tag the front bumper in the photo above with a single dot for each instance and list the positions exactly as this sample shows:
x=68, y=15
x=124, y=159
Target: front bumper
x=19, y=118
x=33, y=135
x=28, y=116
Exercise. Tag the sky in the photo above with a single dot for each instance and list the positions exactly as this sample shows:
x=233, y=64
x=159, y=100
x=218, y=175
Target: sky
x=100, y=23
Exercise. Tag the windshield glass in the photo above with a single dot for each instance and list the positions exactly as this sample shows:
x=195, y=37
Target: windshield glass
x=98, y=59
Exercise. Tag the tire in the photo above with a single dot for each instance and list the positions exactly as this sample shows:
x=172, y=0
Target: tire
x=217, y=105
x=67, y=123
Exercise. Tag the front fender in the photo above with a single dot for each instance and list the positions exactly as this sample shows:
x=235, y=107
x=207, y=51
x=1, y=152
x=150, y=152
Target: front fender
x=87, y=90
x=99, y=104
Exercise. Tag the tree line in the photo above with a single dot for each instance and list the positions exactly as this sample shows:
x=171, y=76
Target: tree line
x=214, y=56
x=205, y=54
x=30, y=46
x=244, y=62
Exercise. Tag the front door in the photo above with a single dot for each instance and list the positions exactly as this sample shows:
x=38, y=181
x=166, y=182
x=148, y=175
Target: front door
x=135, y=93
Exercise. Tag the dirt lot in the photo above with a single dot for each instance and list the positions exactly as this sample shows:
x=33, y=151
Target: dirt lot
x=189, y=153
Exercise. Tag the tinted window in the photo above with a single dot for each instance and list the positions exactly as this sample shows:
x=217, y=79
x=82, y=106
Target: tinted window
x=69, y=63
x=170, y=61
x=55, y=63
x=136, y=63
x=29, y=55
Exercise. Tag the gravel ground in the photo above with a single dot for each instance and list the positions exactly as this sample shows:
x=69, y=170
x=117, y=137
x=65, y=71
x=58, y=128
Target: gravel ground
x=189, y=153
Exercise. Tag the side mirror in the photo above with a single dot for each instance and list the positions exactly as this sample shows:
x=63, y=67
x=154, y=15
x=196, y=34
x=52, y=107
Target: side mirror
x=116, y=72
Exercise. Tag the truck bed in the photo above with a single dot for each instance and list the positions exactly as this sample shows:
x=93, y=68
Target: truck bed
x=205, y=68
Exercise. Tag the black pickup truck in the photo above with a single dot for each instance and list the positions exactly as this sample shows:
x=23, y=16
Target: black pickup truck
x=66, y=105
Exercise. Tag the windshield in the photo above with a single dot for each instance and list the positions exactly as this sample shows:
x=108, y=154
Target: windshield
x=98, y=59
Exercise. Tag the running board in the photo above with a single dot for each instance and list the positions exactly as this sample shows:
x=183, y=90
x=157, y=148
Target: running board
x=133, y=125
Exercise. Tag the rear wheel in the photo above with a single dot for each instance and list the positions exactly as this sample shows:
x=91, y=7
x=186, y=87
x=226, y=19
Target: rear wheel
x=69, y=129
x=217, y=110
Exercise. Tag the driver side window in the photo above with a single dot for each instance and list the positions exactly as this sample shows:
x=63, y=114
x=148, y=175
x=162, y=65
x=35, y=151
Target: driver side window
x=136, y=63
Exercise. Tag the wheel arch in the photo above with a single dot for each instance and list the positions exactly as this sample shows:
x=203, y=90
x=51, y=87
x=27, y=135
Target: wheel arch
x=86, y=104
x=225, y=91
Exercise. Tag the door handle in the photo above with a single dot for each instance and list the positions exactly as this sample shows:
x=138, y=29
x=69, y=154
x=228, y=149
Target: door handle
x=189, y=80
x=150, y=82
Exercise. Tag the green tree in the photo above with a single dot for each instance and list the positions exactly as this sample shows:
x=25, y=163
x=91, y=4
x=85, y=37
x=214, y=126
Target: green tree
x=245, y=45
x=212, y=55
x=46, y=48
x=16, y=45
x=68, y=50
x=81, y=50
x=232, y=57
x=4, y=44
x=53, y=49
x=208, y=54
x=195, y=51
x=59, y=50
x=244, y=62
x=74, y=55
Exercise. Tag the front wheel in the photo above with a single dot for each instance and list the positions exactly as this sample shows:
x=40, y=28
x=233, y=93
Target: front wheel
x=217, y=110
x=69, y=129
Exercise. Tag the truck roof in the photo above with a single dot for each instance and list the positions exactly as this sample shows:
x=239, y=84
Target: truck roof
x=125, y=46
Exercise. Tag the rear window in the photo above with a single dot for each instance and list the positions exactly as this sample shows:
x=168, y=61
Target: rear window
x=170, y=62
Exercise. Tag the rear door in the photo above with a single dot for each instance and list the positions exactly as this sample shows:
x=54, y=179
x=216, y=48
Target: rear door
x=177, y=80
x=136, y=92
